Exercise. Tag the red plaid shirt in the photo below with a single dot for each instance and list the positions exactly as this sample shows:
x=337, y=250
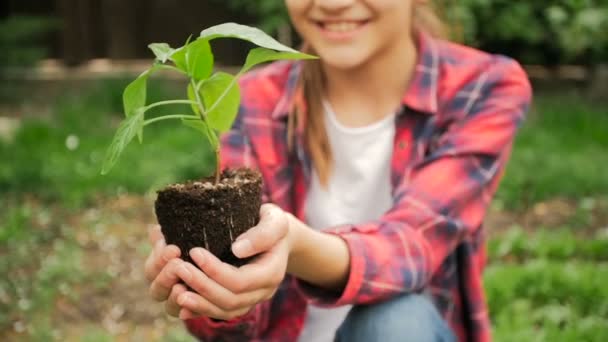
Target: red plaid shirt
x=452, y=141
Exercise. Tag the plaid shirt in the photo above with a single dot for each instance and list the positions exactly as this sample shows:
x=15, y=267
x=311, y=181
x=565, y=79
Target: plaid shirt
x=452, y=141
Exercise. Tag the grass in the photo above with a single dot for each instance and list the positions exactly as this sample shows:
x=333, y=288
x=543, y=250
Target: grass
x=548, y=286
x=59, y=157
x=561, y=151
x=543, y=284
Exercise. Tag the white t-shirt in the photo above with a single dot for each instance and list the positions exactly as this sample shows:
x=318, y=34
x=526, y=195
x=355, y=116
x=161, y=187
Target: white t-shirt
x=359, y=190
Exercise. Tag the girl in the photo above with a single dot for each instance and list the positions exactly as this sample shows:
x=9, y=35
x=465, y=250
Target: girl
x=396, y=140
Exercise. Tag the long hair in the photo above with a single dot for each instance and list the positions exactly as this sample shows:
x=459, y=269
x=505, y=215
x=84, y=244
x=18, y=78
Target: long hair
x=312, y=83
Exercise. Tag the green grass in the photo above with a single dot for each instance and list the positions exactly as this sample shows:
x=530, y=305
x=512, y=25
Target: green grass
x=548, y=285
x=41, y=162
x=561, y=151
x=559, y=244
x=548, y=300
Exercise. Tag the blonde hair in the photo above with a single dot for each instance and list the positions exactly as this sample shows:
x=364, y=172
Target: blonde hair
x=312, y=83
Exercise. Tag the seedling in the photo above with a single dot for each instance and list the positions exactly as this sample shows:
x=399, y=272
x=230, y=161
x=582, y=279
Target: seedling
x=214, y=211
x=214, y=97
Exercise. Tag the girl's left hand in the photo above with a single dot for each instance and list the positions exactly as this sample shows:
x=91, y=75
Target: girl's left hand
x=224, y=291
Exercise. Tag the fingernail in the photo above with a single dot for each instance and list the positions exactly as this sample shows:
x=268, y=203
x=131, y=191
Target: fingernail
x=197, y=253
x=242, y=247
x=185, y=273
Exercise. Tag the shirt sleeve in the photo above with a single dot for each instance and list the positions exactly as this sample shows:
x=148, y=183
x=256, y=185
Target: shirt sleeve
x=235, y=152
x=443, y=200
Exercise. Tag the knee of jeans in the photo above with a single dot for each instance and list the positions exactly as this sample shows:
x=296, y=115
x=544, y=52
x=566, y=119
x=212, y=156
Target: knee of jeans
x=411, y=317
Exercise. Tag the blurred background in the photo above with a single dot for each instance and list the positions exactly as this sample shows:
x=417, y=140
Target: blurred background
x=72, y=242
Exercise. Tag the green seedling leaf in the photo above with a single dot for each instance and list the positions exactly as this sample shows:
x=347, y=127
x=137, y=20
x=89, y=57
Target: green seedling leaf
x=198, y=125
x=134, y=95
x=179, y=56
x=199, y=59
x=221, y=97
x=251, y=34
x=261, y=55
x=162, y=51
x=125, y=133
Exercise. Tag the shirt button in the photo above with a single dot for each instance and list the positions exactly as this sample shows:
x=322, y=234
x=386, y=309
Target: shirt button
x=402, y=145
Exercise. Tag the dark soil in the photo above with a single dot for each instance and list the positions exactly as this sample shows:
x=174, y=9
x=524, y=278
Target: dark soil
x=204, y=214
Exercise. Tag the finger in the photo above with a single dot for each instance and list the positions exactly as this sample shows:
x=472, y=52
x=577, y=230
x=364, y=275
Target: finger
x=162, y=284
x=199, y=306
x=155, y=234
x=209, y=289
x=224, y=274
x=220, y=296
x=271, y=228
x=186, y=314
x=160, y=256
x=258, y=274
x=152, y=260
x=268, y=268
x=171, y=305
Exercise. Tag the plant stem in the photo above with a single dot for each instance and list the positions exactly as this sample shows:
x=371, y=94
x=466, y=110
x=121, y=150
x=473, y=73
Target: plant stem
x=173, y=116
x=217, y=165
x=199, y=102
x=168, y=102
x=211, y=134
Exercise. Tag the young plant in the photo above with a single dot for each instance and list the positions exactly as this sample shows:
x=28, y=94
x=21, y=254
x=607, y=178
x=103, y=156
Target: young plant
x=214, y=97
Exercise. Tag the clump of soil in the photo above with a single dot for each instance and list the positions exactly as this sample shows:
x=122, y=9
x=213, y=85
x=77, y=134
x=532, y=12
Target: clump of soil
x=209, y=215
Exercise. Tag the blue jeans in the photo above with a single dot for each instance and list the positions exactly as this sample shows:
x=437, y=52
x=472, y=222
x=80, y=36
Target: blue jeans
x=411, y=317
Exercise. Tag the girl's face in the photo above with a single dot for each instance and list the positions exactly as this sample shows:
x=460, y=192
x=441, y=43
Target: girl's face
x=348, y=33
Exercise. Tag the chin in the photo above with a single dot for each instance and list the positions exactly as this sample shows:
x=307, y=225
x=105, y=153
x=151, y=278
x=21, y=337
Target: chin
x=343, y=60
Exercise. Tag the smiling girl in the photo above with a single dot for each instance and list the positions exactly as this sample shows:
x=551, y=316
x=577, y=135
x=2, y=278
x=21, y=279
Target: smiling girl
x=380, y=159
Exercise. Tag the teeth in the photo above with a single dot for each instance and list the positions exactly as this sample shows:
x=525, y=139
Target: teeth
x=341, y=26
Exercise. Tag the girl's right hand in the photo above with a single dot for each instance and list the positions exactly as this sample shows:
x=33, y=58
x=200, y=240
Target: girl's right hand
x=161, y=269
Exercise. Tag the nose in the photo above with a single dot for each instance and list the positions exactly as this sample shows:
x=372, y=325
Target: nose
x=334, y=5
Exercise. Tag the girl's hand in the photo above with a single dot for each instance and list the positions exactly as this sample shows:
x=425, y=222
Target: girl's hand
x=223, y=291
x=161, y=270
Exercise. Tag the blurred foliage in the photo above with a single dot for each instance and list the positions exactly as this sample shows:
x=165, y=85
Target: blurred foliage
x=270, y=14
x=546, y=32
x=22, y=45
x=21, y=39
x=540, y=32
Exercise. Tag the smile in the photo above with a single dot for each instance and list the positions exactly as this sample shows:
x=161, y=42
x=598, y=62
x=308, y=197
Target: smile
x=342, y=29
x=342, y=26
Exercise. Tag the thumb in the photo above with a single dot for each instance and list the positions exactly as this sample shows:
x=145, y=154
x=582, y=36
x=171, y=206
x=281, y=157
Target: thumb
x=155, y=234
x=273, y=227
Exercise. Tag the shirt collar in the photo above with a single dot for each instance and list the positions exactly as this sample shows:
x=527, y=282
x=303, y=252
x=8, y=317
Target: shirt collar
x=420, y=96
